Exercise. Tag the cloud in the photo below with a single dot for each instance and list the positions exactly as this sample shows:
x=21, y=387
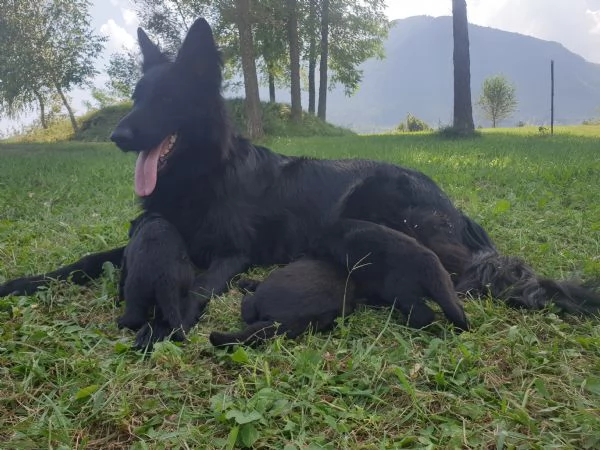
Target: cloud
x=118, y=37
x=401, y=9
x=129, y=17
x=573, y=23
x=595, y=16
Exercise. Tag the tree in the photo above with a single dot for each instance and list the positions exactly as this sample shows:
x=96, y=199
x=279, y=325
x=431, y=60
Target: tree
x=271, y=42
x=312, y=28
x=123, y=70
x=463, y=109
x=253, y=109
x=294, y=45
x=344, y=32
x=351, y=32
x=47, y=48
x=498, y=99
x=323, y=83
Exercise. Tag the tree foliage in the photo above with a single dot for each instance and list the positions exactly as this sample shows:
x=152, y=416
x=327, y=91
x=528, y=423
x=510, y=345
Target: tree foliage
x=498, y=99
x=123, y=70
x=355, y=32
x=46, y=48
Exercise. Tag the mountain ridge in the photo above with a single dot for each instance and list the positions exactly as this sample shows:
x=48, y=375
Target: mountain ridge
x=416, y=77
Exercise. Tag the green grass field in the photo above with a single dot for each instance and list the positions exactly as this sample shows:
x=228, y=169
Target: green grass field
x=519, y=380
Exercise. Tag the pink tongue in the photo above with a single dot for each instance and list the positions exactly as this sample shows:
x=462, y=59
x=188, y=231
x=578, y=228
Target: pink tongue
x=146, y=168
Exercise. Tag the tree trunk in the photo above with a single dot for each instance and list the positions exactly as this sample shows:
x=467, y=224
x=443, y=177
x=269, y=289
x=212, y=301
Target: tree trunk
x=463, y=109
x=69, y=110
x=40, y=100
x=322, y=111
x=292, y=25
x=254, y=125
x=312, y=56
x=271, y=87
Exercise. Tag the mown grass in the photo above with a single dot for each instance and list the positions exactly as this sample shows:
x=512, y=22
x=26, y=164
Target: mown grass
x=518, y=380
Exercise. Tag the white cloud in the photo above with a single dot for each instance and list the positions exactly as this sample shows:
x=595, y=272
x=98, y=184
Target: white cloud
x=400, y=9
x=118, y=37
x=595, y=16
x=129, y=17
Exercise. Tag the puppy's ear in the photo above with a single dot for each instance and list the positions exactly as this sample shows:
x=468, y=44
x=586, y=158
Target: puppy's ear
x=199, y=52
x=150, y=51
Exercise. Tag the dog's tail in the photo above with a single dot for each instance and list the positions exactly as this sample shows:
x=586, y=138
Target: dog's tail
x=253, y=335
x=87, y=268
x=510, y=279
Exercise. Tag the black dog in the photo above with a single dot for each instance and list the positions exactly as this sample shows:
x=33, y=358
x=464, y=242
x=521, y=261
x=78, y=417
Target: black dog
x=237, y=205
x=306, y=293
x=156, y=278
x=391, y=268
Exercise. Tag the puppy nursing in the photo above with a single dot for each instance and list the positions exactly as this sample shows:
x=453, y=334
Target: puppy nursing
x=311, y=292
x=306, y=293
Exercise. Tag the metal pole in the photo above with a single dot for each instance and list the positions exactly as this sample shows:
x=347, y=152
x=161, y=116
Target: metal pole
x=552, y=97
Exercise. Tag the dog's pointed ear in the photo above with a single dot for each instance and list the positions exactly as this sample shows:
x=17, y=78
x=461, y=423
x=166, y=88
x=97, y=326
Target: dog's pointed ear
x=199, y=50
x=150, y=51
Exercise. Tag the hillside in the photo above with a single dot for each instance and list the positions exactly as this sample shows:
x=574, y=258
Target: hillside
x=96, y=126
x=416, y=77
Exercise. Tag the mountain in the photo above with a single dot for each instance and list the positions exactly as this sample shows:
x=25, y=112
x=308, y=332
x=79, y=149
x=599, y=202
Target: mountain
x=416, y=77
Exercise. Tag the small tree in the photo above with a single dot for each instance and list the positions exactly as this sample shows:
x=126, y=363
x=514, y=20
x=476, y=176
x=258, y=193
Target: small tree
x=123, y=70
x=498, y=99
x=46, y=48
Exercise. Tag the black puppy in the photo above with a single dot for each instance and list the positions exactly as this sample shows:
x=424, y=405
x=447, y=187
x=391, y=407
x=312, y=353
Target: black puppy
x=305, y=293
x=390, y=268
x=157, y=274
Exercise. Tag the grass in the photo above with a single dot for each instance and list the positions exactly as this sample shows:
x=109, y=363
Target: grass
x=518, y=380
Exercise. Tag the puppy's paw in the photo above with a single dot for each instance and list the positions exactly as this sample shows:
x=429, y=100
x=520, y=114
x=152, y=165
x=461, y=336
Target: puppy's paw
x=156, y=331
x=248, y=284
x=131, y=323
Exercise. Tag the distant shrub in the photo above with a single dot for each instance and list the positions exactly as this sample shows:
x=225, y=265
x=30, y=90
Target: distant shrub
x=415, y=124
x=521, y=124
x=591, y=122
x=412, y=124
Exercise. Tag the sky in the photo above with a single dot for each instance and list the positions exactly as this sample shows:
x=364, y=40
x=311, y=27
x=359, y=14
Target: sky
x=573, y=23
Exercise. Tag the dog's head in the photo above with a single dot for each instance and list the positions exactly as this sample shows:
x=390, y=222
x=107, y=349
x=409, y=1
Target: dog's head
x=171, y=99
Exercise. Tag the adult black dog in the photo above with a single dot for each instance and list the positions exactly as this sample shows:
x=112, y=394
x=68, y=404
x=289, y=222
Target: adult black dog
x=237, y=205
x=156, y=279
x=306, y=293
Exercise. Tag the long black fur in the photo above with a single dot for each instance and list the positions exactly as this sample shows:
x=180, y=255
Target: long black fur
x=306, y=293
x=236, y=204
x=156, y=278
